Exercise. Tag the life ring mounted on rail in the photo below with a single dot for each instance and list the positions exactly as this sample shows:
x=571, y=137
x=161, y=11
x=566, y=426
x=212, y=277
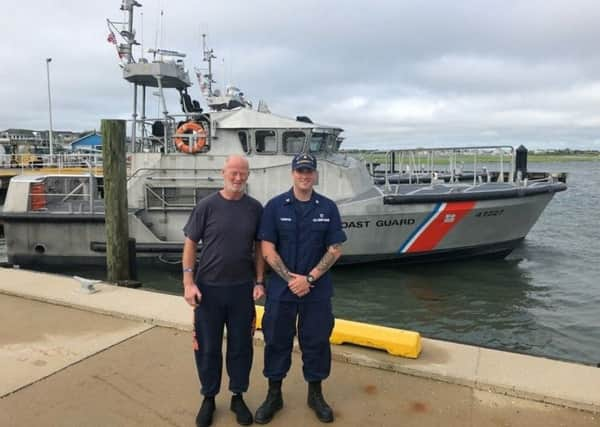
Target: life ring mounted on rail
x=197, y=131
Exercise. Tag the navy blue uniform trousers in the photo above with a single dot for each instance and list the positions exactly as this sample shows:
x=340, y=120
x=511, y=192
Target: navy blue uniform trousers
x=315, y=323
x=233, y=307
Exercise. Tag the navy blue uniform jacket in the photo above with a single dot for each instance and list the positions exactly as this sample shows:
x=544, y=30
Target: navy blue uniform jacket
x=301, y=239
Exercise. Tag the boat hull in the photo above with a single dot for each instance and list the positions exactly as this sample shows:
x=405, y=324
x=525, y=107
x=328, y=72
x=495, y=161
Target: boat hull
x=421, y=232
x=493, y=250
x=412, y=232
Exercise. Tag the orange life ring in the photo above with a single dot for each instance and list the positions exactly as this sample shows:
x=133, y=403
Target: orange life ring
x=193, y=128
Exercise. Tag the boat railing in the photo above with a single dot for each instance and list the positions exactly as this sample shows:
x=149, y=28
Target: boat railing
x=440, y=165
x=66, y=194
x=62, y=161
x=176, y=188
x=153, y=140
x=159, y=174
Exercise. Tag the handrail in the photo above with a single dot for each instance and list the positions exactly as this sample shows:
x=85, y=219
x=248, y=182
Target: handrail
x=436, y=164
x=135, y=173
x=28, y=161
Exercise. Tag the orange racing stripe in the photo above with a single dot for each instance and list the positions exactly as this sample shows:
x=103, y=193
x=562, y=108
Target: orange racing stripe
x=437, y=229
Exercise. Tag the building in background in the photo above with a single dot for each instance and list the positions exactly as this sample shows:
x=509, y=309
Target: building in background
x=90, y=142
x=27, y=140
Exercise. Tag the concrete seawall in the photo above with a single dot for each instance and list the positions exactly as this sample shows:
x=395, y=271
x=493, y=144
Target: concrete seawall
x=490, y=385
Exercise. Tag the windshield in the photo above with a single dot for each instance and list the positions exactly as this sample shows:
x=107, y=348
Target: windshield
x=321, y=142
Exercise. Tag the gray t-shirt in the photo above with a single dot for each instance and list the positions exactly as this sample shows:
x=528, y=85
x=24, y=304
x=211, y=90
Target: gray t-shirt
x=228, y=230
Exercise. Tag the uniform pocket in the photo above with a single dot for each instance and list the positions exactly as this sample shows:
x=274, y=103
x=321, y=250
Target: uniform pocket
x=318, y=231
x=286, y=230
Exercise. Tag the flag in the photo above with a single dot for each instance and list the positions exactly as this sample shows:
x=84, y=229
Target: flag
x=111, y=38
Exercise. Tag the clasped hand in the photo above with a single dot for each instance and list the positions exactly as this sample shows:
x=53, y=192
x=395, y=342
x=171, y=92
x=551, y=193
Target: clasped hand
x=299, y=285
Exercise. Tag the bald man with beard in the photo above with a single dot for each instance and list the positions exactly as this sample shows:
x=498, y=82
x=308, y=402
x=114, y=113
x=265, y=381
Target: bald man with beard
x=223, y=286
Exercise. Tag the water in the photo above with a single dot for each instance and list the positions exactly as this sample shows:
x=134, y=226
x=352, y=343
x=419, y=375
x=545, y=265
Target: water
x=544, y=299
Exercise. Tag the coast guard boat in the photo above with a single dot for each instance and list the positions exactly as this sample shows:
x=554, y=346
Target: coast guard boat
x=400, y=205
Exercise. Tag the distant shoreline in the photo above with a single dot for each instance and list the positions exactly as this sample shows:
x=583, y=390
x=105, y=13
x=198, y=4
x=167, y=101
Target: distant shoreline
x=542, y=157
x=575, y=156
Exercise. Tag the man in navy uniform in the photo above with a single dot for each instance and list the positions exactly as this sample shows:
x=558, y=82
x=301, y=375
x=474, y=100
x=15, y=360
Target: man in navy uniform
x=301, y=235
x=228, y=279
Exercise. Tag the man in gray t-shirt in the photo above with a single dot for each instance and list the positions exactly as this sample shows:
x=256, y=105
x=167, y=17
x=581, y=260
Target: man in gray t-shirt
x=229, y=277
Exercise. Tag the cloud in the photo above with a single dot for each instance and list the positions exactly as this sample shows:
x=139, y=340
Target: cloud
x=390, y=73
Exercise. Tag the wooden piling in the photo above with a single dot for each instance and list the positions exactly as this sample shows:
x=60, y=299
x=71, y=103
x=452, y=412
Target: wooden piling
x=115, y=200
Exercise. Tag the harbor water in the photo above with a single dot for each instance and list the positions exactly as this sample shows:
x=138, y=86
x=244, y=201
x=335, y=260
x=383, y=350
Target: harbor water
x=543, y=299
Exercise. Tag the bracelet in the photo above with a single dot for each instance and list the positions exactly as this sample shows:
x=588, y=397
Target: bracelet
x=188, y=270
x=259, y=282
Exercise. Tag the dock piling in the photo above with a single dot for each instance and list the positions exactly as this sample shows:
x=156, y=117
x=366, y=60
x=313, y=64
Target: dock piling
x=115, y=197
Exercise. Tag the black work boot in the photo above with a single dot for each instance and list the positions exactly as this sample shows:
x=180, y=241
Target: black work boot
x=242, y=414
x=272, y=404
x=205, y=414
x=317, y=403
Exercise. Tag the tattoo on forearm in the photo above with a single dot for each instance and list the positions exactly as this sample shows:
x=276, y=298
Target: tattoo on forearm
x=326, y=262
x=328, y=259
x=279, y=267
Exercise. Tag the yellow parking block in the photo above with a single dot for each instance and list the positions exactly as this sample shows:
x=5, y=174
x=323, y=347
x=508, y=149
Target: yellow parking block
x=260, y=311
x=396, y=342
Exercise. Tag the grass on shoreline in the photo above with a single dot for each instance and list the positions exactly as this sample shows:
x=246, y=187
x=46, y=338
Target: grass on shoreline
x=558, y=157
x=545, y=157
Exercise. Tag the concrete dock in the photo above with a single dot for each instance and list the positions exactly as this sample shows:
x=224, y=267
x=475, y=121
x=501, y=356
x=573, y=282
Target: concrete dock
x=123, y=357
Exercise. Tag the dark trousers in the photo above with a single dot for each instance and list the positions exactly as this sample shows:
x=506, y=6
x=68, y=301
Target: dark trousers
x=233, y=307
x=315, y=323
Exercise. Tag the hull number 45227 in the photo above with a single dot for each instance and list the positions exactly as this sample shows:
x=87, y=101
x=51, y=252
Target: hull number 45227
x=491, y=212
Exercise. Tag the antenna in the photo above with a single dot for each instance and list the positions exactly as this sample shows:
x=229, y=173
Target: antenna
x=231, y=79
x=162, y=22
x=142, y=25
x=208, y=56
x=129, y=34
x=224, y=73
x=156, y=33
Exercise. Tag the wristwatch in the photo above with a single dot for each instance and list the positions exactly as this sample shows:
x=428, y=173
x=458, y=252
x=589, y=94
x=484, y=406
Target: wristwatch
x=310, y=279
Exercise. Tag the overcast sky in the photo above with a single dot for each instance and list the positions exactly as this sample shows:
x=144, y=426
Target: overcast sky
x=392, y=73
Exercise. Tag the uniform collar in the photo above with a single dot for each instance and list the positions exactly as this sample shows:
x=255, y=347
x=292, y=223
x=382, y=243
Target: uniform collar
x=289, y=198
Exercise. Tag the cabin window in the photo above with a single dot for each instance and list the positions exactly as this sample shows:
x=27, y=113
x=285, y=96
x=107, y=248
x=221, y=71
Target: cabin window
x=331, y=144
x=244, y=137
x=318, y=142
x=266, y=141
x=293, y=141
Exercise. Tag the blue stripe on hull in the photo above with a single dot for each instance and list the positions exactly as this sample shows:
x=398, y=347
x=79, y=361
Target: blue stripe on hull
x=419, y=228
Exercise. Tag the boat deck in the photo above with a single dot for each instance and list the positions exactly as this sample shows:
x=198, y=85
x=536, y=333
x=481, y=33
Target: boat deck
x=123, y=357
x=440, y=192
